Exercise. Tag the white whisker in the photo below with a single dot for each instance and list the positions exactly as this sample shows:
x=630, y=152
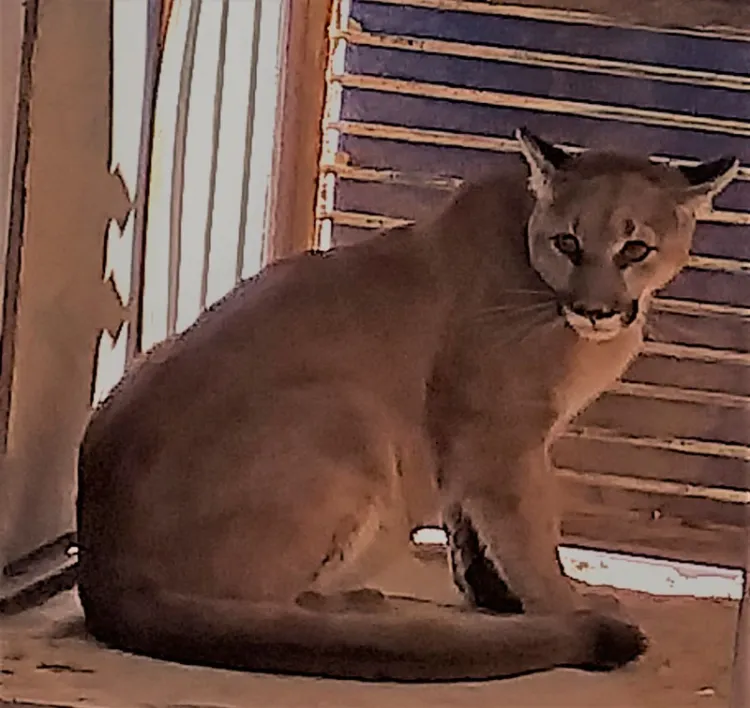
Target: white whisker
x=515, y=335
x=527, y=291
x=515, y=309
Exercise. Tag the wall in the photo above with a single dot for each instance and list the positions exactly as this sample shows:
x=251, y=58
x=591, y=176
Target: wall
x=63, y=303
x=430, y=93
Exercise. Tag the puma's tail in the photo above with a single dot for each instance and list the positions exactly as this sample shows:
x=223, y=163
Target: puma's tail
x=446, y=645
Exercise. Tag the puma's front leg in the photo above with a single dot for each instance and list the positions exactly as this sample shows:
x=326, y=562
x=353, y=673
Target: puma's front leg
x=511, y=502
x=475, y=573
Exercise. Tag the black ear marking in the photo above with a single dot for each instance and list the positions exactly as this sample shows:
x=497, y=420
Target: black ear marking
x=707, y=171
x=551, y=154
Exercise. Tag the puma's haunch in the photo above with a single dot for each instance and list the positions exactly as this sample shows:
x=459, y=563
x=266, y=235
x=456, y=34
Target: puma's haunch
x=248, y=476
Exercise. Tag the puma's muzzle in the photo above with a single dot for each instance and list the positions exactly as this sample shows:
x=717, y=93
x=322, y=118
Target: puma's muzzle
x=599, y=323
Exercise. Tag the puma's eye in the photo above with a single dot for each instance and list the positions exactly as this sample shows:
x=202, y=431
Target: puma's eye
x=568, y=245
x=634, y=252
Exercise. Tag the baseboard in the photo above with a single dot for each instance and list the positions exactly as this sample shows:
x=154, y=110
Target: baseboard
x=32, y=580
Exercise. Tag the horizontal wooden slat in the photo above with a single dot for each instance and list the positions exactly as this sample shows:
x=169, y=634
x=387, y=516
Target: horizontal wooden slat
x=425, y=139
x=651, y=523
x=707, y=279
x=554, y=82
x=691, y=395
x=711, y=286
x=651, y=517
x=687, y=373
x=407, y=195
x=735, y=498
x=700, y=308
x=721, y=239
x=526, y=101
x=596, y=490
x=662, y=418
x=365, y=221
x=623, y=458
x=449, y=175
x=348, y=235
x=431, y=92
x=717, y=328
x=704, y=330
x=417, y=156
x=598, y=527
x=394, y=200
x=707, y=354
x=645, y=522
x=693, y=446
x=537, y=58
x=598, y=128
x=565, y=31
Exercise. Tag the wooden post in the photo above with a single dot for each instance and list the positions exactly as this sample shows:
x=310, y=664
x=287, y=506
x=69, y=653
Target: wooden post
x=10, y=261
x=302, y=90
x=157, y=25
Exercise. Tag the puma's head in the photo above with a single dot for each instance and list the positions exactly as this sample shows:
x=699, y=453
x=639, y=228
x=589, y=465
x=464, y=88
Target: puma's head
x=608, y=230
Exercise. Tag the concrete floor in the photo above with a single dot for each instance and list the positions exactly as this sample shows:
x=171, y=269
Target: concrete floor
x=47, y=659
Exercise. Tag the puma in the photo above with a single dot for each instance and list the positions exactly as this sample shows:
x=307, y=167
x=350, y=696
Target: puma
x=241, y=484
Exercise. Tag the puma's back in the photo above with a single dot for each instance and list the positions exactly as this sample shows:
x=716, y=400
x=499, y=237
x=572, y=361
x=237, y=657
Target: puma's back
x=246, y=478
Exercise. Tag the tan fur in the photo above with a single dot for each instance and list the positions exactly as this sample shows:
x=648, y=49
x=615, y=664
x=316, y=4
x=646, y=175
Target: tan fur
x=282, y=448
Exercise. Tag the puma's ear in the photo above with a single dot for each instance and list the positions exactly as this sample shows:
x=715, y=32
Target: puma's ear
x=705, y=181
x=543, y=159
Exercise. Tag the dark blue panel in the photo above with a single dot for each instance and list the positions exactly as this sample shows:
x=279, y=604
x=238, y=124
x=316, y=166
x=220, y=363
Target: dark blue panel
x=723, y=377
x=395, y=200
x=723, y=241
x=736, y=196
x=691, y=284
x=709, y=330
x=403, y=201
x=621, y=458
x=443, y=160
x=711, y=286
x=467, y=163
x=548, y=83
x=460, y=117
x=349, y=235
x=568, y=38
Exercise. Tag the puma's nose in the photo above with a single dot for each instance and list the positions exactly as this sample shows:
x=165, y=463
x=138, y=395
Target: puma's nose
x=593, y=313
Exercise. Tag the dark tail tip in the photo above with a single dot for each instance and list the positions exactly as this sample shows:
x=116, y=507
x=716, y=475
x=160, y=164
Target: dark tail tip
x=616, y=643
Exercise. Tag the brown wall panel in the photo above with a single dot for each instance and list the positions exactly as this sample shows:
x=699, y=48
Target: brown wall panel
x=660, y=418
x=724, y=377
x=623, y=458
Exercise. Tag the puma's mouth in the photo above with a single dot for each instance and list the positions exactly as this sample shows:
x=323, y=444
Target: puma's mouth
x=599, y=325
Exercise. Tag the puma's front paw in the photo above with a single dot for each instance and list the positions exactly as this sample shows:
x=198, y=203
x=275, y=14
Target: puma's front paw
x=610, y=642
